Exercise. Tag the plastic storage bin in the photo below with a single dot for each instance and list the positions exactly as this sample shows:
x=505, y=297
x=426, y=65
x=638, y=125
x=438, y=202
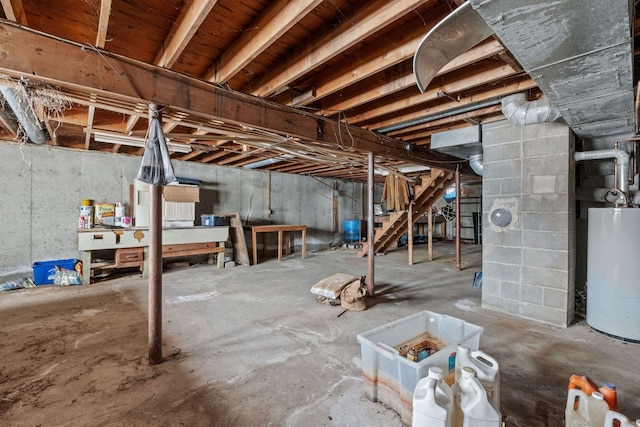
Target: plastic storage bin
x=210, y=220
x=44, y=271
x=391, y=378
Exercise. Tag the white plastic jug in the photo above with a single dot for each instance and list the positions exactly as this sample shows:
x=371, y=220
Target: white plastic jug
x=432, y=401
x=584, y=410
x=487, y=369
x=624, y=421
x=471, y=405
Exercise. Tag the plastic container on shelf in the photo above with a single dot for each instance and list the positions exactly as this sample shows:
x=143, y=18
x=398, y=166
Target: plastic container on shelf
x=487, y=370
x=585, y=410
x=471, y=405
x=119, y=213
x=623, y=421
x=432, y=401
x=588, y=386
x=86, y=213
x=391, y=378
x=211, y=220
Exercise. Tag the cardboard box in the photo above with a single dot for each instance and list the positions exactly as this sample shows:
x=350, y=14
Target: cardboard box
x=105, y=214
x=181, y=193
x=179, y=211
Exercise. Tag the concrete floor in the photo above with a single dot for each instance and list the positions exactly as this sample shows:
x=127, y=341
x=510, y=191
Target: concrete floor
x=249, y=346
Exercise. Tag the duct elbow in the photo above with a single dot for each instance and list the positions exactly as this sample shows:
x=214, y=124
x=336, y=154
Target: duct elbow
x=25, y=115
x=476, y=163
x=517, y=109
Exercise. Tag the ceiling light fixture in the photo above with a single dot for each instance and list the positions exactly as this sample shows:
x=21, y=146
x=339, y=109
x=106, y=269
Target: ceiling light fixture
x=267, y=162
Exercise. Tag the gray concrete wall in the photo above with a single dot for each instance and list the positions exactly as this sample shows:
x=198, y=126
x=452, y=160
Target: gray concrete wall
x=44, y=186
x=529, y=265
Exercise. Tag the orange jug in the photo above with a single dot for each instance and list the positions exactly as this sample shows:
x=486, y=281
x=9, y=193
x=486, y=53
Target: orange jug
x=585, y=384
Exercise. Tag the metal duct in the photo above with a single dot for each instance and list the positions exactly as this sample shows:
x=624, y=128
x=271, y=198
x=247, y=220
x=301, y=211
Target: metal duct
x=580, y=54
x=475, y=161
x=25, y=115
x=517, y=109
x=454, y=35
x=622, y=159
x=437, y=116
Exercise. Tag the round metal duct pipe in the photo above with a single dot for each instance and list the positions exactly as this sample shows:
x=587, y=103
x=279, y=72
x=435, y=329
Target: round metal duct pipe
x=25, y=115
x=475, y=161
x=517, y=109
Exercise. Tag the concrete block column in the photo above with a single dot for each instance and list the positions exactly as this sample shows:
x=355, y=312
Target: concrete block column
x=529, y=221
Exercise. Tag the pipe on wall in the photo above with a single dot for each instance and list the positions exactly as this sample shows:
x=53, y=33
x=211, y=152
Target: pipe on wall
x=25, y=115
x=517, y=109
x=622, y=162
x=602, y=195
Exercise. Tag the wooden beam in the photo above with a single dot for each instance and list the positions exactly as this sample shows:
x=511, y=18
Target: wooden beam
x=14, y=11
x=216, y=155
x=90, y=117
x=372, y=17
x=27, y=53
x=405, y=78
x=8, y=123
x=504, y=89
x=481, y=75
x=406, y=41
x=276, y=20
x=193, y=154
x=189, y=20
x=231, y=159
x=103, y=23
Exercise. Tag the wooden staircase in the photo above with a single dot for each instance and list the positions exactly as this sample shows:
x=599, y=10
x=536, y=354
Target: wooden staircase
x=425, y=194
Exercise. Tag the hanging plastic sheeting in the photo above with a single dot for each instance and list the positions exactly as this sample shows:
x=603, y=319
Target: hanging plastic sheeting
x=156, y=167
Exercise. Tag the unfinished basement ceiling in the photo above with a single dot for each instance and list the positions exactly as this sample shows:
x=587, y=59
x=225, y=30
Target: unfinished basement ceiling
x=254, y=84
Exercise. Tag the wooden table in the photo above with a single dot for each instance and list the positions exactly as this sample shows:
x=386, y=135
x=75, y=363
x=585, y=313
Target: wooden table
x=280, y=229
x=131, y=245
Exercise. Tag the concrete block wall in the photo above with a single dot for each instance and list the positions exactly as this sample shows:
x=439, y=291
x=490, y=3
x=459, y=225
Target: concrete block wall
x=529, y=264
x=43, y=188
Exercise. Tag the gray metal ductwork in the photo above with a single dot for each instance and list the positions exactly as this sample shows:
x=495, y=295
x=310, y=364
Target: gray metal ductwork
x=622, y=160
x=579, y=52
x=25, y=115
x=517, y=109
x=475, y=161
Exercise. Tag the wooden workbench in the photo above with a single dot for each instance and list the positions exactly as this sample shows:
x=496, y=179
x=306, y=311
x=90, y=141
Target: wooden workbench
x=132, y=245
x=280, y=229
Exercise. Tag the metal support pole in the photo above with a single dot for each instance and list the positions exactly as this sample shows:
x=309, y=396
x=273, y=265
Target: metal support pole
x=370, y=227
x=155, y=265
x=410, y=231
x=430, y=234
x=458, y=262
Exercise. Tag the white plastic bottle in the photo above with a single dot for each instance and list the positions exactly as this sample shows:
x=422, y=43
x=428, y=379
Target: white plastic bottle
x=487, y=369
x=471, y=405
x=119, y=213
x=624, y=421
x=432, y=401
x=585, y=410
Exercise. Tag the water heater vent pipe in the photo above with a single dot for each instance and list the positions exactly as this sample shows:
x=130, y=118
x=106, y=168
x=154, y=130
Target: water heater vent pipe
x=622, y=160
